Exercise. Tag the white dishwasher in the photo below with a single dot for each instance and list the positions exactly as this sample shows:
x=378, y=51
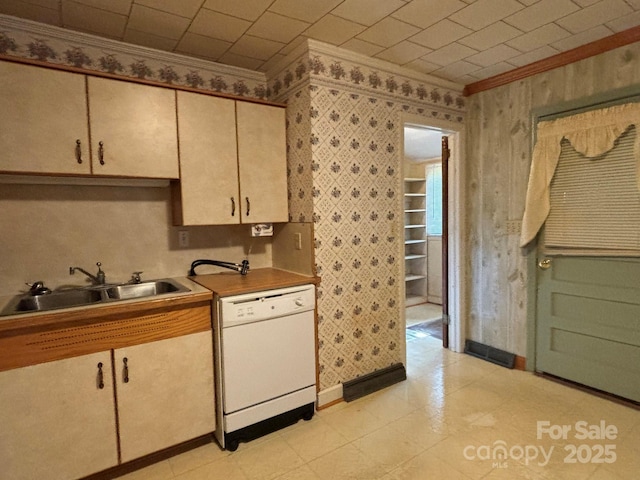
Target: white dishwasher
x=265, y=362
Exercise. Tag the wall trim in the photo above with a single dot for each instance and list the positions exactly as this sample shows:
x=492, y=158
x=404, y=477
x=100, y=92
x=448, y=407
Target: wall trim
x=596, y=47
x=330, y=396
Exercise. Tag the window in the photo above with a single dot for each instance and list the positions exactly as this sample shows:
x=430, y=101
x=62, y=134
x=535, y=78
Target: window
x=434, y=198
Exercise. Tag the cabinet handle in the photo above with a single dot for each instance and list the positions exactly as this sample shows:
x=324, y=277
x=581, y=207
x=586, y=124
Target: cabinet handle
x=233, y=207
x=125, y=371
x=100, y=377
x=78, y=151
x=248, y=205
x=101, y=152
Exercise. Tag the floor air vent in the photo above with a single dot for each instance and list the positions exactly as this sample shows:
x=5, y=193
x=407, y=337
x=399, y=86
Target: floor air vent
x=493, y=355
x=372, y=382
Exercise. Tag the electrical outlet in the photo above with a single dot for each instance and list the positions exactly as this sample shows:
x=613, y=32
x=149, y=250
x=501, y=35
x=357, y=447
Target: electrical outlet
x=183, y=238
x=514, y=227
x=298, y=240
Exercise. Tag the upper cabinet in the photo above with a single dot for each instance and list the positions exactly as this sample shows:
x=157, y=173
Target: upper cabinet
x=262, y=162
x=65, y=123
x=133, y=129
x=233, y=166
x=44, y=126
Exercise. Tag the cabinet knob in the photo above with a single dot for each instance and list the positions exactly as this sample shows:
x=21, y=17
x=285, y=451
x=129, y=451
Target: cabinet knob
x=100, y=376
x=233, y=207
x=78, y=151
x=125, y=372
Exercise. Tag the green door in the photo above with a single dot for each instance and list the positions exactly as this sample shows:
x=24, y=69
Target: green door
x=588, y=322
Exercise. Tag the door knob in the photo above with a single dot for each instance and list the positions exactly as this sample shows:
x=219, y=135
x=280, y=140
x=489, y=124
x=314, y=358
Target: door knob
x=544, y=264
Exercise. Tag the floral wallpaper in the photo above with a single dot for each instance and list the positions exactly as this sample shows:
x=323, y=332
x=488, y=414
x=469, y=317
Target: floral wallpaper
x=344, y=159
x=52, y=45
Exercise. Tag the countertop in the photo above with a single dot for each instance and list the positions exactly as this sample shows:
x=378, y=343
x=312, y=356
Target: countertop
x=232, y=283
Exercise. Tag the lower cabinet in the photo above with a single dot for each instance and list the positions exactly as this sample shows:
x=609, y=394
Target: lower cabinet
x=70, y=418
x=55, y=421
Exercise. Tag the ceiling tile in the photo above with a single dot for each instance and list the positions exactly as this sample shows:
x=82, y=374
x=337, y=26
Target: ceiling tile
x=582, y=38
x=366, y=12
x=403, y=52
x=493, y=55
x=541, y=13
x=278, y=28
x=183, y=8
x=388, y=32
x=485, y=12
x=533, y=56
x=596, y=14
x=334, y=30
x=217, y=25
x=116, y=6
x=254, y=47
x=89, y=19
x=449, y=54
x=423, y=13
x=440, y=34
x=634, y=3
x=149, y=40
x=293, y=45
x=624, y=23
x=360, y=46
x=457, y=69
x=423, y=66
x=246, y=9
x=585, y=3
x=202, y=46
x=240, y=61
x=272, y=62
x=538, y=38
x=491, y=71
x=32, y=12
x=41, y=3
x=490, y=36
x=159, y=23
x=306, y=10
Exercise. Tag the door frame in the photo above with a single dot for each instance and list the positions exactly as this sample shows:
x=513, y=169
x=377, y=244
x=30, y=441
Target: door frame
x=609, y=98
x=456, y=289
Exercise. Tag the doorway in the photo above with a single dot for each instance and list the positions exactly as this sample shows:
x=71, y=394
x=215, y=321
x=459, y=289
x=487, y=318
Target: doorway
x=422, y=211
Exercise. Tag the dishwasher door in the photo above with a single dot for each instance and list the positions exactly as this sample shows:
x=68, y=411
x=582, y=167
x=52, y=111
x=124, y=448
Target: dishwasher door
x=267, y=359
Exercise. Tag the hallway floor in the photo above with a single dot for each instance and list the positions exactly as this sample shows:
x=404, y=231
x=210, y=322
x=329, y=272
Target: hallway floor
x=443, y=422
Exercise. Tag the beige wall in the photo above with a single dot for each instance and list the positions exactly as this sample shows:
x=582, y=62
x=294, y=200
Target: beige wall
x=45, y=229
x=499, y=133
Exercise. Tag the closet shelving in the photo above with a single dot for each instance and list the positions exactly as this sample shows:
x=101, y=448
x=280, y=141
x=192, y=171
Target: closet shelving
x=415, y=240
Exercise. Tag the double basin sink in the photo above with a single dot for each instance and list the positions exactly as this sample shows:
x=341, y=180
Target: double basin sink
x=75, y=297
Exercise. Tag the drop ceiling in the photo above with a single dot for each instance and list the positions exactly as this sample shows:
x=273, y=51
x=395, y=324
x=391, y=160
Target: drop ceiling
x=459, y=40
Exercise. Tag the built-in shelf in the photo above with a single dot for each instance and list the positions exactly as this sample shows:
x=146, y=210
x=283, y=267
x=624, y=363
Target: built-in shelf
x=412, y=277
x=415, y=254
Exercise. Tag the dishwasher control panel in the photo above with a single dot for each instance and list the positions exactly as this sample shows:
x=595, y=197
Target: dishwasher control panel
x=254, y=307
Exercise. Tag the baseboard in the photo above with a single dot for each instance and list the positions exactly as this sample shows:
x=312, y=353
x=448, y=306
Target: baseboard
x=330, y=396
x=520, y=363
x=374, y=381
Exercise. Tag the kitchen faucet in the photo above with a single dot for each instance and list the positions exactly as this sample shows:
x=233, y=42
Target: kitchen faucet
x=242, y=268
x=97, y=279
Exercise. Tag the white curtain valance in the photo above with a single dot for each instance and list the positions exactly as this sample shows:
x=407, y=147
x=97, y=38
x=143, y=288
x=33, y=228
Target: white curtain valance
x=591, y=133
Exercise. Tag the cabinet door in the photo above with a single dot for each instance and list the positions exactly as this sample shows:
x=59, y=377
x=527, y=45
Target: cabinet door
x=169, y=395
x=208, y=191
x=55, y=421
x=262, y=161
x=137, y=127
x=44, y=115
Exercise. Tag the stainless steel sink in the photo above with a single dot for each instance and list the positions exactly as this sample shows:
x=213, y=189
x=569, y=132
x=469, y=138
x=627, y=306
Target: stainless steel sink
x=145, y=289
x=63, y=299
x=76, y=297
